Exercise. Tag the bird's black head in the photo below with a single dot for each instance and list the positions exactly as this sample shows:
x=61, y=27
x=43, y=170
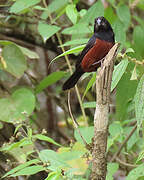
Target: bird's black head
x=103, y=28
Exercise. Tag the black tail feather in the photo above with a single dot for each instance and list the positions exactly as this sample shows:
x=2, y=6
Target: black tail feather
x=72, y=80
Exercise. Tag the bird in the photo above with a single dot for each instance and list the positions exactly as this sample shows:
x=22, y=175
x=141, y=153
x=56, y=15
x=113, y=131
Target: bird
x=94, y=52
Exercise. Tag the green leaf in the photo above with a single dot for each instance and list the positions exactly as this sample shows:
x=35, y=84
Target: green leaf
x=56, y=5
x=134, y=74
x=70, y=51
x=133, y=139
x=18, y=106
x=124, y=15
x=17, y=128
x=45, y=138
x=129, y=50
x=40, y=8
x=68, y=156
x=80, y=28
x=136, y=173
x=110, y=142
x=29, y=171
x=89, y=104
x=46, y=31
x=97, y=9
x=141, y=156
x=54, y=176
x=10, y=147
x=111, y=168
x=29, y=53
x=22, y=166
x=21, y=5
x=138, y=38
x=120, y=33
x=82, y=12
x=118, y=72
x=116, y=131
x=55, y=161
x=139, y=103
x=25, y=51
x=125, y=93
x=90, y=83
x=15, y=60
x=75, y=42
x=72, y=13
x=110, y=14
x=87, y=133
x=4, y=42
x=49, y=80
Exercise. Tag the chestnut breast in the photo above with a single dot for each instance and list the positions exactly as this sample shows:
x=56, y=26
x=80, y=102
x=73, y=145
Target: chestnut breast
x=95, y=54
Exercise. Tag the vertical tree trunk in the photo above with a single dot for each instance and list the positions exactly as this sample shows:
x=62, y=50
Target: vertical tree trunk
x=103, y=87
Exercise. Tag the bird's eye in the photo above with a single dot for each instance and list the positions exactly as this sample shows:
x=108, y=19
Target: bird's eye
x=104, y=25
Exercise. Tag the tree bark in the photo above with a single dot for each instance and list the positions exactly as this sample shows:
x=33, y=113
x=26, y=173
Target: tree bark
x=103, y=89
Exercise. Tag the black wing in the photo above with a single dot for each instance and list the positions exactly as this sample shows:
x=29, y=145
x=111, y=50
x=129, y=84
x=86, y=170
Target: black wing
x=88, y=46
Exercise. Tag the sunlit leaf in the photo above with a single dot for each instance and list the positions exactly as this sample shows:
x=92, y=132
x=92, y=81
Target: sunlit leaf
x=72, y=13
x=134, y=74
x=46, y=31
x=87, y=133
x=29, y=170
x=25, y=51
x=54, y=176
x=15, y=60
x=118, y=72
x=80, y=28
x=21, y=5
x=141, y=156
x=111, y=168
x=71, y=51
x=45, y=138
x=75, y=42
x=56, y=4
x=129, y=50
x=54, y=159
x=29, y=53
x=136, y=173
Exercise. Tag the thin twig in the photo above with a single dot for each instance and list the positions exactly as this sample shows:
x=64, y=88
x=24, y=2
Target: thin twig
x=74, y=121
x=133, y=4
x=69, y=66
x=126, y=164
x=123, y=144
